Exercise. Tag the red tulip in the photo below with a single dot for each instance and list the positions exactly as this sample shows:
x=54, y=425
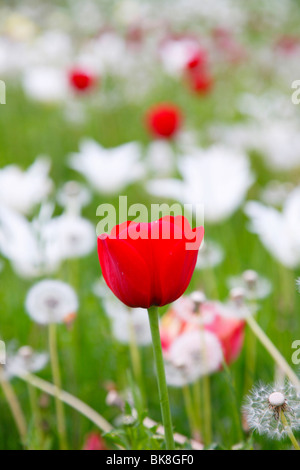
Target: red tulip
x=81, y=80
x=163, y=120
x=149, y=264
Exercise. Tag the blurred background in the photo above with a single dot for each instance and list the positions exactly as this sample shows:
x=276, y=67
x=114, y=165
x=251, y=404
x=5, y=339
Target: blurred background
x=160, y=101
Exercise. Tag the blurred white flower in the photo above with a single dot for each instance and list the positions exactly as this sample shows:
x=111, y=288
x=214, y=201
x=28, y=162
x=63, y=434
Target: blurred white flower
x=23, y=244
x=279, y=143
x=175, y=53
x=160, y=158
x=275, y=193
x=22, y=190
x=191, y=356
x=105, y=53
x=51, y=47
x=26, y=360
x=74, y=236
x=128, y=324
x=108, y=170
x=51, y=301
x=278, y=231
x=209, y=178
x=73, y=196
x=211, y=254
x=132, y=326
x=45, y=84
x=255, y=286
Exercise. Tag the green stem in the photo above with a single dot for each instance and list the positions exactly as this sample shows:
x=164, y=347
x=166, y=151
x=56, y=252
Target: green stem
x=68, y=399
x=14, y=406
x=207, y=428
x=136, y=363
x=289, y=431
x=189, y=409
x=197, y=404
x=273, y=351
x=60, y=414
x=161, y=377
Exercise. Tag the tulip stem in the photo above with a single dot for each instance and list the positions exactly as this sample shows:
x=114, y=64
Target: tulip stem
x=60, y=414
x=161, y=378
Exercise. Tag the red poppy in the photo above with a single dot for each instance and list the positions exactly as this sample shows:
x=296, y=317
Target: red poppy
x=163, y=120
x=81, y=80
x=147, y=264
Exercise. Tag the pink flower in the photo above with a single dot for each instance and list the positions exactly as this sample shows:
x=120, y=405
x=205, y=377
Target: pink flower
x=94, y=442
x=184, y=316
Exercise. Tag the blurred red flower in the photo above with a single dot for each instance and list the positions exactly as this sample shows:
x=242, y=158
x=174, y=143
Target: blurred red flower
x=200, y=81
x=147, y=264
x=94, y=442
x=197, y=60
x=163, y=120
x=81, y=80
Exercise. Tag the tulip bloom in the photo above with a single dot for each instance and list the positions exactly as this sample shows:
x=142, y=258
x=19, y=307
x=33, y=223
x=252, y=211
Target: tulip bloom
x=81, y=80
x=163, y=120
x=150, y=264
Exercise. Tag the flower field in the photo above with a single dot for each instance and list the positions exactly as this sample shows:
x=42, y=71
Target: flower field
x=150, y=225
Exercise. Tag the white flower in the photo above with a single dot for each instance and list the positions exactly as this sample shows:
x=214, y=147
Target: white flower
x=73, y=196
x=176, y=53
x=108, y=170
x=209, y=178
x=279, y=144
x=132, y=326
x=105, y=54
x=128, y=324
x=275, y=193
x=160, y=158
x=255, y=286
x=278, y=231
x=263, y=405
x=211, y=254
x=74, y=236
x=51, y=47
x=192, y=355
x=45, y=84
x=24, y=361
x=51, y=301
x=22, y=190
x=236, y=306
x=23, y=244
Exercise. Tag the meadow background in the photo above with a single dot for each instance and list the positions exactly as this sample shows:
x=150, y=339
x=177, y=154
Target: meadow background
x=89, y=355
